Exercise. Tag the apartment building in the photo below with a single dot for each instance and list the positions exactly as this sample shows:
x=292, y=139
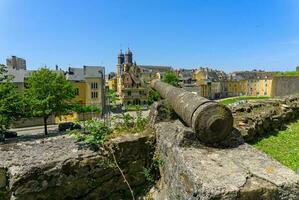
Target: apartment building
x=89, y=83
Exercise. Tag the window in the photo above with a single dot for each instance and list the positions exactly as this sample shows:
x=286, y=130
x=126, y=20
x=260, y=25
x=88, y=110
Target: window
x=94, y=85
x=94, y=95
x=129, y=93
x=77, y=91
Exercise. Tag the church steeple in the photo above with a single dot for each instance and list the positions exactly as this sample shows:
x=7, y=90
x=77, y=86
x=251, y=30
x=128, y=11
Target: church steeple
x=121, y=58
x=129, y=57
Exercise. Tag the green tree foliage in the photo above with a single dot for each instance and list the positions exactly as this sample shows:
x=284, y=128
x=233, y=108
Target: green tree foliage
x=48, y=93
x=171, y=79
x=112, y=97
x=153, y=96
x=10, y=101
x=85, y=109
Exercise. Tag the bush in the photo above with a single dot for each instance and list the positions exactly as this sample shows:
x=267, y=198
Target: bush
x=131, y=124
x=153, y=96
x=95, y=132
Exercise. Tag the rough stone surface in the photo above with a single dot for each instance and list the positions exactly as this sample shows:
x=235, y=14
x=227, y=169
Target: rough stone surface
x=263, y=117
x=61, y=168
x=193, y=171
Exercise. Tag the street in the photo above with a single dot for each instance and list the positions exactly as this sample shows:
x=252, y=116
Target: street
x=34, y=130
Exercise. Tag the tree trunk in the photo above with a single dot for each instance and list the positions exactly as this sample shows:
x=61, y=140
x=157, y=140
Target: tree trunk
x=45, y=124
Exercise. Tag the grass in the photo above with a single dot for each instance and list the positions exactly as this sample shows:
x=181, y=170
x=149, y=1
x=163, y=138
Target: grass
x=284, y=146
x=291, y=73
x=134, y=107
x=231, y=100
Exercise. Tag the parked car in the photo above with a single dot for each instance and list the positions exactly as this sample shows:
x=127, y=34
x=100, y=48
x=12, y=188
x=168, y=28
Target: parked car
x=7, y=134
x=10, y=134
x=68, y=125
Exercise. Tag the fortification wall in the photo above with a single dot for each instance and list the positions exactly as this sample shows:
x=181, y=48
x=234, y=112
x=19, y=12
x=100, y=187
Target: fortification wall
x=285, y=85
x=265, y=117
x=60, y=168
x=234, y=170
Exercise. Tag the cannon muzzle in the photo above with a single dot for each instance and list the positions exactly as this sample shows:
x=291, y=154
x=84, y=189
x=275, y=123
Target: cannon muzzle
x=211, y=121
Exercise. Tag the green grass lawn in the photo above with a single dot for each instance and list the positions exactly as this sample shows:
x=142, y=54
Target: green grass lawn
x=135, y=107
x=283, y=147
x=231, y=100
x=291, y=73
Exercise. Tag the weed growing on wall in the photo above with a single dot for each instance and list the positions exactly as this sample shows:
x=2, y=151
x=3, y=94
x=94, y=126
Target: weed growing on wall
x=98, y=131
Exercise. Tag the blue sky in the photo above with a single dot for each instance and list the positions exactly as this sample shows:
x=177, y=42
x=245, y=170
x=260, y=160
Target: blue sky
x=224, y=34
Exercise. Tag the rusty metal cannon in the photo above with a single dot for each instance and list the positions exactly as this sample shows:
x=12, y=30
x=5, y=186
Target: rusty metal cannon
x=211, y=121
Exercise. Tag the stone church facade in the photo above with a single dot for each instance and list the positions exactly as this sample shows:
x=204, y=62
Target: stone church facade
x=131, y=89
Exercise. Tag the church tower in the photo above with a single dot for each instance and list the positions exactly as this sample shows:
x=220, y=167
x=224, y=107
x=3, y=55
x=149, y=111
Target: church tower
x=121, y=58
x=129, y=57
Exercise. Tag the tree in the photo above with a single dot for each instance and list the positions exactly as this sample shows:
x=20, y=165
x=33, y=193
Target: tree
x=48, y=93
x=82, y=109
x=10, y=101
x=171, y=79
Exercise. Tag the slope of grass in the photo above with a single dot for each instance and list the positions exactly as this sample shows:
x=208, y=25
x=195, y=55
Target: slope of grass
x=283, y=146
x=291, y=73
x=236, y=99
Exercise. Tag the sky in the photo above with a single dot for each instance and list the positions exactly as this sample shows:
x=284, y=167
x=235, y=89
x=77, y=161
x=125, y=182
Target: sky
x=229, y=35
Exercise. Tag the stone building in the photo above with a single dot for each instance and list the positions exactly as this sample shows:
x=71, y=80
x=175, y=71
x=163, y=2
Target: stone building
x=16, y=63
x=89, y=83
x=131, y=88
x=150, y=72
x=211, y=82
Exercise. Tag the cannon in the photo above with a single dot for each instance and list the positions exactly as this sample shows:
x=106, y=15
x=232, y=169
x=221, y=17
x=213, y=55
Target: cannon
x=211, y=121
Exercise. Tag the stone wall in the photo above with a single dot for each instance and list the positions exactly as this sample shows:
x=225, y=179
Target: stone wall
x=285, y=85
x=33, y=121
x=232, y=171
x=61, y=168
x=265, y=117
x=193, y=171
x=39, y=121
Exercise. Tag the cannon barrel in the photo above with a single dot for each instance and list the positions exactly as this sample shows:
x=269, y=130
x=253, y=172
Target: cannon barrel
x=211, y=121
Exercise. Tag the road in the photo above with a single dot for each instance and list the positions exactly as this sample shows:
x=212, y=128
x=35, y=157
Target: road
x=39, y=130
x=34, y=130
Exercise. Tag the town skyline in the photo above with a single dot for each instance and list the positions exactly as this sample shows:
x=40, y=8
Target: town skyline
x=225, y=35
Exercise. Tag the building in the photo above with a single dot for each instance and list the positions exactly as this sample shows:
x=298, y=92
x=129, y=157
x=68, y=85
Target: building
x=89, y=83
x=150, y=72
x=112, y=84
x=211, y=82
x=131, y=88
x=16, y=63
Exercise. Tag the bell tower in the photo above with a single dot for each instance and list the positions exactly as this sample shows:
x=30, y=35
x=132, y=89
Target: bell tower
x=129, y=57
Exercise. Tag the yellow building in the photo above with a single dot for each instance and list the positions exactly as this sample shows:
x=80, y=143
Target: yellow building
x=235, y=87
x=249, y=87
x=199, y=76
x=89, y=90
x=89, y=85
x=259, y=87
x=112, y=84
